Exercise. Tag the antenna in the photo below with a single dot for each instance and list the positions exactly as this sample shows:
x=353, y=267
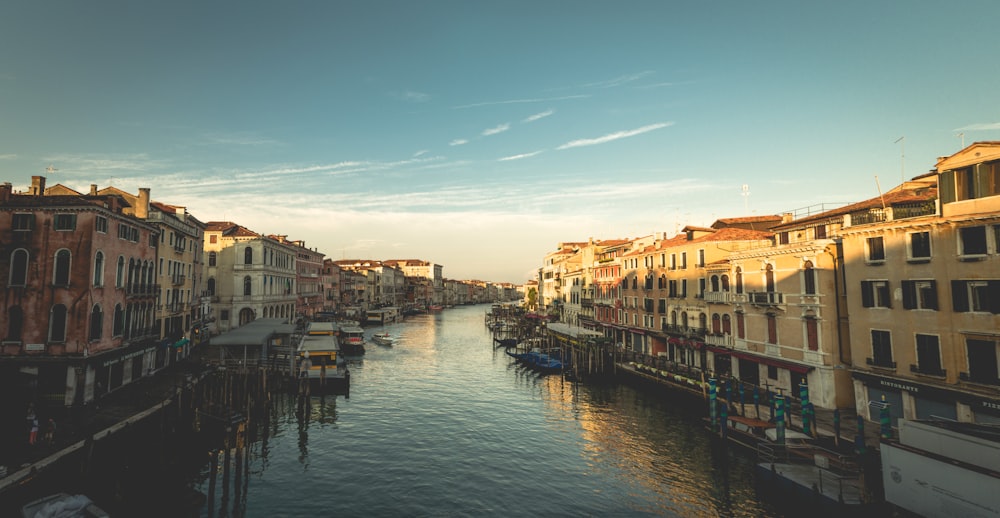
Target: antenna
x=902, y=158
x=879, y=187
x=746, y=198
x=962, y=136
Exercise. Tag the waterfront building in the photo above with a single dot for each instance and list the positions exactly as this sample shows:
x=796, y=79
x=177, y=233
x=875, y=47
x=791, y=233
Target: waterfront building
x=181, y=317
x=309, y=282
x=425, y=269
x=248, y=275
x=78, y=315
x=923, y=291
x=607, y=279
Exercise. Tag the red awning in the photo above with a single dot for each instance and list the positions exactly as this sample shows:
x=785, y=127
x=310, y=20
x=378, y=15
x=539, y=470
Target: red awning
x=674, y=340
x=774, y=362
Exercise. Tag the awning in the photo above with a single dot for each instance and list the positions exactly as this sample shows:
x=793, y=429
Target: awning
x=774, y=362
x=181, y=343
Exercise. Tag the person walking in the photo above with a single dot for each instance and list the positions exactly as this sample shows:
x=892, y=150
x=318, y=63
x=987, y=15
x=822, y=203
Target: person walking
x=33, y=434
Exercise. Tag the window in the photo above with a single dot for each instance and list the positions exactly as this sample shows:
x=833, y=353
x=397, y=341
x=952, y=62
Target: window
x=101, y=224
x=15, y=323
x=61, y=273
x=739, y=280
x=920, y=245
x=211, y=286
x=820, y=231
x=701, y=257
x=119, y=323
x=808, y=278
x=772, y=329
x=972, y=240
x=64, y=222
x=684, y=260
x=211, y=258
x=920, y=294
x=979, y=296
x=716, y=323
x=120, y=273
x=99, y=269
x=982, y=361
x=701, y=288
x=725, y=283
x=929, y=355
x=772, y=372
x=684, y=288
x=727, y=325
x=22, y=222
x=57, y=323
x=812, y=334
x=782, y=238
x=876, y=249
x=875, y=294
x=18, y=268
x=769, y=278
x=246, y=285
x=882, y=349
x=673, y=261
x=96, y=323
x=248, y=256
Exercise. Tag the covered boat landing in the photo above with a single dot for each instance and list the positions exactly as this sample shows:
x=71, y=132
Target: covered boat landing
x=263, y=342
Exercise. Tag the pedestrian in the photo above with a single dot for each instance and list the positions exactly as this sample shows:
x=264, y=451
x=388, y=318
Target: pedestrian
x=33, y=434
x=50, y=431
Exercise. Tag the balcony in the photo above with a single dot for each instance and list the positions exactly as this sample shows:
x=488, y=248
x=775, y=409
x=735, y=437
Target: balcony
x=719, y=339
x=881, y=363
x=917, y=369
x=141, y=290
x=719, y=297
x=766, y=298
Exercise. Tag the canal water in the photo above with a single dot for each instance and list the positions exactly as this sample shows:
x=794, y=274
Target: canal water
x=443, y=424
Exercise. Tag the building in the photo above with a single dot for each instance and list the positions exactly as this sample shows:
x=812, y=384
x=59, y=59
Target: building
x=309, y=280
x=923, y=285
x=79, y=306
x=248, y=275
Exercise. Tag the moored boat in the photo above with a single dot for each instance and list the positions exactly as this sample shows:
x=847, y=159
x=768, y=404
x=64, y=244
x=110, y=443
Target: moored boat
x=352, y=339
x=320, y=361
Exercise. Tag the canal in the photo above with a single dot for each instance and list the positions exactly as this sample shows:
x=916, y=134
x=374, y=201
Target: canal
x=443, y=424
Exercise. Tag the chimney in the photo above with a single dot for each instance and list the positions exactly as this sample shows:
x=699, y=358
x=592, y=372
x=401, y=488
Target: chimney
x=787, y=217
x=5, y=191
x=37, y=185
x=93, y=189
x=142, y=203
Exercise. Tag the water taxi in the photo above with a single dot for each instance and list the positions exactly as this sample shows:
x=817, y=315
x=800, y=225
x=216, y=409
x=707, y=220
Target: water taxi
x=382, y=339
x=352, y=339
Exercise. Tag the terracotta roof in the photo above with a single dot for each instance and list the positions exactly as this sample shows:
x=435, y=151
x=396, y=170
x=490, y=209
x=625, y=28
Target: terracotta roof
x=58, y=201
x=228, y=228
x=773, y=218
x=920, y=193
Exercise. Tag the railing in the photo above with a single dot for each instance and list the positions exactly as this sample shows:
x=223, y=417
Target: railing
x=869, y=216
x=881, y=363
x=916, y=369
x=720, y=297
x=914, y=209
x=766, y=298
x=721, y=340
x=142, y=289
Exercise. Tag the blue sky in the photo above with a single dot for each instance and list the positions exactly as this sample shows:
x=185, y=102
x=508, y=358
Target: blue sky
x=478, y=135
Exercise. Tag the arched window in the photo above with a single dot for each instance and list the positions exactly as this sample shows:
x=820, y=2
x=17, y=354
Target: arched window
x=15, y=322
x=211, y=258
x=211, y=286
x=118, y=325
x=18, y=268
x=684, y=319
x=716, y=323
x=715, y=283
x=725, y=283
x=96, y=322
x=727, y=325
x=739, y=280
x=702, y=321
x=246, y=284
x=120, y=273
x=99, y=269
x=61, y=274
x=769, y=278
x=809, y=278
x=130, y=275
x=57, y=323
x=741, y=329
x=673, y=318
x=248, y=255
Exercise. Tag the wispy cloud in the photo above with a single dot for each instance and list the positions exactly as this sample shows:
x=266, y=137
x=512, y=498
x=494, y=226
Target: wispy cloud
x=610, y=137
x=984, y=126
x=458, y=142
x=522, y=101
x=542, y=115
x=420, y=153
x=240, y=139
x=498, y=129
x=411, y=96
x=618, y=81
x=8, y=156
x=91, y=163
x=518, y=157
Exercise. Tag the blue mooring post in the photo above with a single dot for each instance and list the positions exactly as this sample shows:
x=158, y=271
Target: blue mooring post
x=836, y=426
x=885, y=419
x=756, y=402
x=724, y=420
x=743, y=410
x=779, y=418
x=729, y=393
x=804, y=396
x=774, y=414
x=711, y=402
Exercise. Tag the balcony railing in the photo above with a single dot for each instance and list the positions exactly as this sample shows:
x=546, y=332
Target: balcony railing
x=766, y=298
x=913, y=210
x=881, y=363
x=868, y=216
x=917, y=369
x=720, y=339
x=141, y=290
x=719, y=297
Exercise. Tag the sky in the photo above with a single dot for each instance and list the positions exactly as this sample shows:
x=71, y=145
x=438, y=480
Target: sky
x=479, y=135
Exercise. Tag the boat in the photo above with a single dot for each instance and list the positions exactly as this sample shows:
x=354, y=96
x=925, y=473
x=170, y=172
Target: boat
x=382, y=339
x=382, y=316
x=319, y=359
x=63, y=504
x=538, y=360
x=352, y=339
x=435, y=307
x=746, y=431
